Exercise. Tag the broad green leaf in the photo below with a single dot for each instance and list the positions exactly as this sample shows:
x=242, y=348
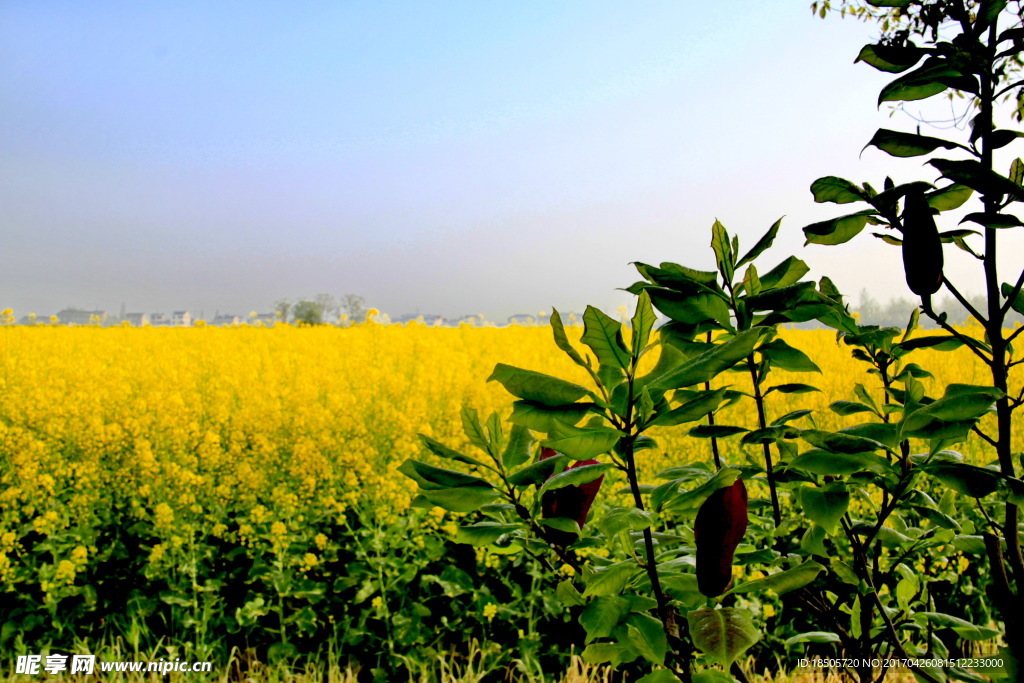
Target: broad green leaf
x=938, y=342
x=762, y=244
x=972, y=545
x=643, y=322
x=602, y=615
x=430, y=477
x=818, y=461
x=783, y=582
x=1017, y=171
x=484, y=533
x=836, y=190
x=784, y=357
x=707, y=365
x=648, y=636
x=547, y=419
x=995, y=221
x=691, y=308
x=837, y=230
x=464, y=499
x=677, y=502
x=784, y=298
x=1018, y=299
x=813, y=541
x=949, y=198
x=890, y=58
x=973, y=174
x=604, y=336
x=724, y=256
x=786, y=273
x=518, y=449
x=563, y=524
x=623, y=518
x=824, y=506
x=562, y=340
x=813, y=637
x=845, y=408
x=968, y=480
x=539, y=472
x=789, y=417
x=474, y=430
x=769, y=435
x=962, y=627
x=716, y=431
x=610, y=581
x=705, y=676
x=536, y=386
x=669, y=357
x=886, y=434
x=722, y=634
x=900, y=144
x=792, y=389
x=694, y=409
x=681, y=278
x=576, y=476
x=584, y=443
x=568, y=595
x=442, y=451
x=666, y=676
x=934, y=76
x=840, y=442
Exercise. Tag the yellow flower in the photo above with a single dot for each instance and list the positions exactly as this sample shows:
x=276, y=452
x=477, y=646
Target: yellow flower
x=490, y=609
x=320, y=540
x=65, y=571
x=768, y=611
x=377, y=602
x=79, y=555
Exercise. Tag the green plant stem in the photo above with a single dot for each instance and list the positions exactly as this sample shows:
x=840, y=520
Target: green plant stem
x=763, y=422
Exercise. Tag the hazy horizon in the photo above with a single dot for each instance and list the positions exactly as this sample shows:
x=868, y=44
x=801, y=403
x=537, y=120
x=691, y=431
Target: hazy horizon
x=452, y=159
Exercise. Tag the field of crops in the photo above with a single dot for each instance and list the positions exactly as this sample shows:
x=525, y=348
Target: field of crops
x=207, y=492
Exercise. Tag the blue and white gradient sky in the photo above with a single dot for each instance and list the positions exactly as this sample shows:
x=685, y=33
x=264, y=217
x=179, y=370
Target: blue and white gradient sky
x=447, y=157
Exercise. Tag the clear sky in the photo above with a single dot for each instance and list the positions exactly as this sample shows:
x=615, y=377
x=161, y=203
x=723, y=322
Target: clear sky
x=434, y=157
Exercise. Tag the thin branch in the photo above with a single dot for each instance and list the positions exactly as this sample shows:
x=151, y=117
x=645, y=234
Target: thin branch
x=941, y=322
x=963, y=301
x=1013, y=294
x=986, y=437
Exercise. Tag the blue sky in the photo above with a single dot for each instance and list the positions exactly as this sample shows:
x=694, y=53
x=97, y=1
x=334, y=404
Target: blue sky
x=450, y=157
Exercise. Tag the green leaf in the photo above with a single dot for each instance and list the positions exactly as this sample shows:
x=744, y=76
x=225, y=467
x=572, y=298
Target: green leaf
x=694, y=409
x=995, y=221
x=724, y=256
x=762, y=244
x=609, y=581
x=584, y=474
x=837, y=230
x=899, y=144
x=836, y=190
x=442, y=451
x=1017, y=171
x=692, y=308
x=934, y=76
x=464, y=499
x=976, y=176
x=538, y=472
x=968, y=480
x=824, y=506
x=949, y=198
x=722, y=634
x=643, y=322
x=666, y=676
x=813, y=637
x=647, y=635
x=429, y=477
x=840, y=442
x=474, y=430
x=818, y=461
x=784, y=581
x=484, y=533
x=536, y=386
x=707, y=365
x=890, y=58
x=784, y=357
x=1018, y=300
x=542, y=418
x=562, y=340
x=623, y=518
x=716, y=431
x=705, y=676
x=786, y=273
x=520, y=440
x=962, y=627
x=608, y=653
x=792, y=389
x=938, y=342
x=568, y=595
x=789, y=417
x=845, y=408
x=602, y=615
x=604, y=336
x=664, y=497
x=583, y=444
x=769, y=435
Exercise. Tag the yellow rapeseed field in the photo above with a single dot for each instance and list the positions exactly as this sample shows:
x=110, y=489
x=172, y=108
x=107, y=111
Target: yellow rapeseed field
x=190, y=424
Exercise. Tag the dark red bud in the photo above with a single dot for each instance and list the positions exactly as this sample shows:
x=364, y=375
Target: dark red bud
x=573, y=502
x=718, y=530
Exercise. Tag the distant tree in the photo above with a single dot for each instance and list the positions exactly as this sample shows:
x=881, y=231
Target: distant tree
x=308, y=312
x=328, y=306
x=354, y=306
x=282, y=307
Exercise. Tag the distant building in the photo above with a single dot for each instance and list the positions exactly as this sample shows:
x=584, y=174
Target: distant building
x=181, y=319
x=136, y=319
x=77, y=316
x=225, y=320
